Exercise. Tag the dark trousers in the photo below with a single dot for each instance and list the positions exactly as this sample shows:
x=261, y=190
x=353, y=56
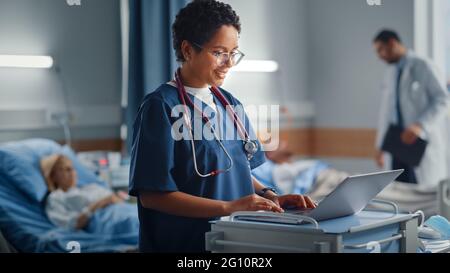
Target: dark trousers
x=408, y=176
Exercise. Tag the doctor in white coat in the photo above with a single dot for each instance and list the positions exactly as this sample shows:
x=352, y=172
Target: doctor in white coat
x=415, y=98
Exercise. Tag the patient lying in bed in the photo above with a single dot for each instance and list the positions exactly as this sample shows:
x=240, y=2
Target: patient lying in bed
x=307, y=176
x=67, y=205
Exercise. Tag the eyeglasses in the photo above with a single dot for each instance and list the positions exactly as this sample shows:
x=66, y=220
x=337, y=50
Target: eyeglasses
x=224, y=57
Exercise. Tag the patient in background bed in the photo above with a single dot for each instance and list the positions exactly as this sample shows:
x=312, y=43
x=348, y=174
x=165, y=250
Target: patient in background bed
x=313, y=177
x=67, y=205
x=317, y=179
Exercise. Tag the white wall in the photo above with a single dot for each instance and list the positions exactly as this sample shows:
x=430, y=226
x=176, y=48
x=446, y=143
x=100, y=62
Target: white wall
x=325, y=53
x=85, y=43
x=345, y=74
x=431, y=23
x=273, y=30
x=440, y=33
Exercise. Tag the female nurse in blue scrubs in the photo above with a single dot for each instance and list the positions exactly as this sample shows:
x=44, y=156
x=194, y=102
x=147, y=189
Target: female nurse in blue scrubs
x=182, y=184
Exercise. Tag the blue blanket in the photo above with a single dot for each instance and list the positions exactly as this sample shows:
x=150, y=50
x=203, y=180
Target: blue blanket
x=22, y=217
x=112, y=229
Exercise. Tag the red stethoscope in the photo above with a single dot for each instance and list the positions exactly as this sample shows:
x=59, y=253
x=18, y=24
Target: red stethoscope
x=250, y=146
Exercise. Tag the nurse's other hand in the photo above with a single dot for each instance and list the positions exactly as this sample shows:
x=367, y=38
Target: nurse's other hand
x=252, y=202
x=272, y=197
x=296, y=201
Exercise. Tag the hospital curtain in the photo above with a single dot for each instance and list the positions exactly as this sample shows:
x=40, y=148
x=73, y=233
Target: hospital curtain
x=151, y=56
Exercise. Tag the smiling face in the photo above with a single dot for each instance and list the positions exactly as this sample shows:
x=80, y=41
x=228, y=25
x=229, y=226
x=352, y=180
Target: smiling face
x=201, y=67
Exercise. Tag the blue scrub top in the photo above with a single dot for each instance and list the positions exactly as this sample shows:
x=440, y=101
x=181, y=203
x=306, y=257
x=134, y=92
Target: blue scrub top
x=160, y=163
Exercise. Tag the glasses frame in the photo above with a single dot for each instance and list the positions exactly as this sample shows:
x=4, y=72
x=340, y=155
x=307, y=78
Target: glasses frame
x=228, y=55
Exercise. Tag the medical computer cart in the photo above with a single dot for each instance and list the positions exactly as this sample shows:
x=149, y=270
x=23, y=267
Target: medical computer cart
x=365, y=232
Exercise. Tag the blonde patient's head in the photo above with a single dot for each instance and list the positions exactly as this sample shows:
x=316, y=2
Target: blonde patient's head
x=59, y=172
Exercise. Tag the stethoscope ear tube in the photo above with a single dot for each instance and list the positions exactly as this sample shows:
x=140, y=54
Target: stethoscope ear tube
x=250, y=147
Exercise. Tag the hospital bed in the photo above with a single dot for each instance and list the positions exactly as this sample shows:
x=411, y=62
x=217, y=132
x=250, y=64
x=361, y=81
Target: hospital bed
x=408, y=197
x=23, y=221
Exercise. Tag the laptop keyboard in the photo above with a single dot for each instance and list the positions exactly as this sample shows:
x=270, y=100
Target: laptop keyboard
x=301, y=211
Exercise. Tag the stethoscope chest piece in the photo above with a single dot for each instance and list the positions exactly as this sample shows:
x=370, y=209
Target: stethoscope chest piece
x=251, y=147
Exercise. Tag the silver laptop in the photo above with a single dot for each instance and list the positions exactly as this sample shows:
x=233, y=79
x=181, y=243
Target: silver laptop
x=351, y=196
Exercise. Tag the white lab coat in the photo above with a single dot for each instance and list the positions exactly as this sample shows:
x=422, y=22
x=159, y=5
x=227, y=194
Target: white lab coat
x=423, y=99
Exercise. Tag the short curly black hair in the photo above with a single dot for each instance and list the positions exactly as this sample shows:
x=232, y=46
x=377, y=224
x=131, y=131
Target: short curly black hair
x=199, y=21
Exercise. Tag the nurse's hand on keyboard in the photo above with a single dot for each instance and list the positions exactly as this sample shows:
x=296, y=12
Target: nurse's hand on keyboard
x=291, y=201
x=296, y=201
x=252, y=202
